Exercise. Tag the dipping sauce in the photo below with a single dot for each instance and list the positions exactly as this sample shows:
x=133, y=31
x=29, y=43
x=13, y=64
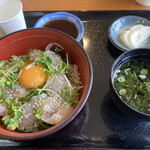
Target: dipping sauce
x=132, y=82
x=135, y=36
x=64, y=26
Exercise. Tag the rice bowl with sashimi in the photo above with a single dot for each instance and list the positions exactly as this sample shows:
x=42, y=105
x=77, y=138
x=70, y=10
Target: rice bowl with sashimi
x=38, y=90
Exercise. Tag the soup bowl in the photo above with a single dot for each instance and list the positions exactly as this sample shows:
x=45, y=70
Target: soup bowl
x=120, y=102
x=20, y=42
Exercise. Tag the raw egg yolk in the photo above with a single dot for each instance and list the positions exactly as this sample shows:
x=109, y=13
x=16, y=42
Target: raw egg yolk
x=32, y=76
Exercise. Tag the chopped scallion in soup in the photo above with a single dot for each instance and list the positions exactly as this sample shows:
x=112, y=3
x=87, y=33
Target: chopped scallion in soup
x=132, y=82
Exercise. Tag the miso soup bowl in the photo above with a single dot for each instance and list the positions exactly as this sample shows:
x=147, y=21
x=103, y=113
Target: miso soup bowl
x=20, y=42
x=117, y=99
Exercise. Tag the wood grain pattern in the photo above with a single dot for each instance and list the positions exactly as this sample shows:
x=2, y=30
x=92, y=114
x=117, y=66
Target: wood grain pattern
x=84, y=5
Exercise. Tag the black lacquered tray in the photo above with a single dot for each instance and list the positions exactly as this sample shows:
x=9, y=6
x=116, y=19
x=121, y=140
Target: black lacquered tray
x=99, y=124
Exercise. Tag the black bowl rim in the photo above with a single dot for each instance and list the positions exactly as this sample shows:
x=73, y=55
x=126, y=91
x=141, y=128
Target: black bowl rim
x=109, y=29
x=75, y=113
x=112, y=77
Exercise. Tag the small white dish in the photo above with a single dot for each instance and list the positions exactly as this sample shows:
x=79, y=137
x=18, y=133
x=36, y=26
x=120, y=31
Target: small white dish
x=121, y=24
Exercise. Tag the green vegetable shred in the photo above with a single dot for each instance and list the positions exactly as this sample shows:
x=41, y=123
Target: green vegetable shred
x=132, y=82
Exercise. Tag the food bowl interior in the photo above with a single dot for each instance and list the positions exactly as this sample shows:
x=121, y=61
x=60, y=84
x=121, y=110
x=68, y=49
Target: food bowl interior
x=117, y=99
x=19, y=44
x=62, y=15
x=121, y=24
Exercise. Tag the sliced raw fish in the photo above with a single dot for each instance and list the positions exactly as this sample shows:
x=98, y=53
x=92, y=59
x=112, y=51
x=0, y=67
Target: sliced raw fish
x=64, y=111
x=57, y=82
x=3, y=110
x=28, y=119
x=56, y=59
x=34, y=55
x=52, y=104
x=18, y=92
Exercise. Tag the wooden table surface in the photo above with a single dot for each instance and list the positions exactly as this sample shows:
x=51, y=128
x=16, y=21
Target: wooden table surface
x=84, y=5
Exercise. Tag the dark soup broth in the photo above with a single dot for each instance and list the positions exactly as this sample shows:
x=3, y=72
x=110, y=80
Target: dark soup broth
x=64, y=26
x=132, y=82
